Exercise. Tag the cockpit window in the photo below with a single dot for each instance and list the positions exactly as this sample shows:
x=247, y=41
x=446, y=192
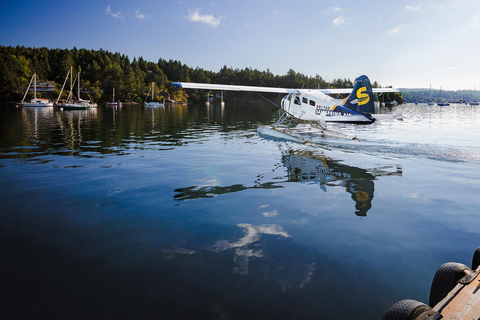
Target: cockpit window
x=297, y=100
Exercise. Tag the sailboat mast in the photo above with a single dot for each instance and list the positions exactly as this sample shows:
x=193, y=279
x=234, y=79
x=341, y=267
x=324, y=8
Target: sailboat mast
x=113, y=94
x=78, y=86
x=64, y=82
x=153, y=89
x=28, y=88
x=71, y=82
x=35, y=86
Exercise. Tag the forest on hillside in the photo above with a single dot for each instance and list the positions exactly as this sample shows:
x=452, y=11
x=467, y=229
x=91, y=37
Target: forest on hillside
x=101, y=71
x=437, y=95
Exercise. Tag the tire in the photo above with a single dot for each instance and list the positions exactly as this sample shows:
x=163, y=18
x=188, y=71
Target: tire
x=406, y=310
x=476, y=259
x=445, y=279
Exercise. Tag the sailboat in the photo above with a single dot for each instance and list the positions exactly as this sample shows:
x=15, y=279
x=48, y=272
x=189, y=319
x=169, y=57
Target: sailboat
x=114, y=103
x=442, y=104
x=474, y=103
x=430, y=102
x=152, y=103
x=35, y=102
x=70, y=104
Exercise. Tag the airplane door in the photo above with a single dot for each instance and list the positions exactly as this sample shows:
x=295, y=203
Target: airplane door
x=288, y=100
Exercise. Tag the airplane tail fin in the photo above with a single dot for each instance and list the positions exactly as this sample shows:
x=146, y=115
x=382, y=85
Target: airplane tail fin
x=361, y=99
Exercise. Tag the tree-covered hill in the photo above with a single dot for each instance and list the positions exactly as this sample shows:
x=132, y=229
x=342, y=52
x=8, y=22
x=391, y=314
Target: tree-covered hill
x=101, y=71
x=438, y=95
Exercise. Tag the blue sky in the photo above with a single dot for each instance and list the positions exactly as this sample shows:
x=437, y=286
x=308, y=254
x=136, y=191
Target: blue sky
x=403, y=43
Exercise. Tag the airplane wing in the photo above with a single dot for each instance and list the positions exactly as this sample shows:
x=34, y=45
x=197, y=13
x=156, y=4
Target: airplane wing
x=227, y=87
x=380, y=90
x=348, y=90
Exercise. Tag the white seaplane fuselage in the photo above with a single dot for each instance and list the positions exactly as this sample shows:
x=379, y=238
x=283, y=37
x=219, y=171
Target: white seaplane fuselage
x=314, y=105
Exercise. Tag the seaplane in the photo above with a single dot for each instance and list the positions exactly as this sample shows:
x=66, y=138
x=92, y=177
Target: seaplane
x=306, y=111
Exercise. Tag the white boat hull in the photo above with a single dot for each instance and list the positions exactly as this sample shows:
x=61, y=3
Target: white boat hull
x=114, y=104
x=35, y=104
x=153, y=104
x=77, y=106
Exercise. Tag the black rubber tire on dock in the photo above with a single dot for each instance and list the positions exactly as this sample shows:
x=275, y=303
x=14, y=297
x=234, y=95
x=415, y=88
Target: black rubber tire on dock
x=445, y=279
x=406, y=310
x=476, y=259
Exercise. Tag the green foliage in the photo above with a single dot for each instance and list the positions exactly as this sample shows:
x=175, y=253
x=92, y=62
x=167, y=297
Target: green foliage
x=437, y=95
x=14, y=75
x=101, y=71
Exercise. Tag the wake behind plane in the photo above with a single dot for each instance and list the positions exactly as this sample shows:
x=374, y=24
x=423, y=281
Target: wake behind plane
x=308, y=110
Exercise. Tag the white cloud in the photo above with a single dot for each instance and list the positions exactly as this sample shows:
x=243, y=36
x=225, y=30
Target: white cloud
x=139, y=15
x=117, y=15
x=270, y=214
x=395, y=30
x=412, y=195
x=454, y=68
x=339, y=9
x=208, y=19
x=338, y=21
x=410, y=8
x=275, y=14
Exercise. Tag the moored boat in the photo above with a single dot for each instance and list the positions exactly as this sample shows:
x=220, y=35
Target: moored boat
x=442, y=104
x=114, y=103
x=474, y=103
x=70, y=104
x=77, y=105
x=152, y=103
x=35, y=102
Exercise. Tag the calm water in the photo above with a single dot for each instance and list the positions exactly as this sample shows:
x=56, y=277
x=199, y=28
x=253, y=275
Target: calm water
x=185, y=212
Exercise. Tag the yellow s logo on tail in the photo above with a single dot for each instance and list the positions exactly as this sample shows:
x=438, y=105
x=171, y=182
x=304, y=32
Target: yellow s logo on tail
x=363, y=97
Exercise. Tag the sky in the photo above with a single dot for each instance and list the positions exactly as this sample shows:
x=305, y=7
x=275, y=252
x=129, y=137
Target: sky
x=399, y=43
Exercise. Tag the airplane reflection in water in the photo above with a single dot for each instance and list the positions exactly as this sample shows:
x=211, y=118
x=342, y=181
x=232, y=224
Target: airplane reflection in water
x=305, y=166
x=308, y=166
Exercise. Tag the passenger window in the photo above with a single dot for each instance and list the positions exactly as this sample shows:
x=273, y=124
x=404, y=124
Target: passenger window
x=312, y=103
x=304, y=100
x=297, y=100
